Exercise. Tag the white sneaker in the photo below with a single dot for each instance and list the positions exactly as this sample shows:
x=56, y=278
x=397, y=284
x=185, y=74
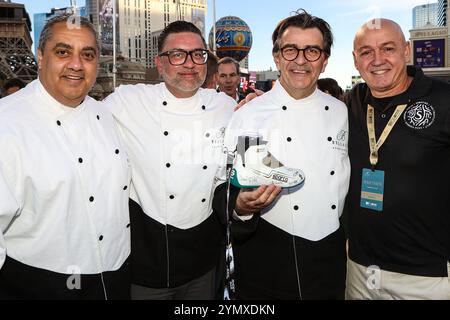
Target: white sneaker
x=254, y=165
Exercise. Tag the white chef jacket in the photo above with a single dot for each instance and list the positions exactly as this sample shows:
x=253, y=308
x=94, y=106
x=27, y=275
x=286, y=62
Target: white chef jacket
x=64, y=185
x=175, y=146
x=309, y=134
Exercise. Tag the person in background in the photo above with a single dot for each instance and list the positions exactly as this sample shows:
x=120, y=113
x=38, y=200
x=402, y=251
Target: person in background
x=249, y=88
x=330, y=86
x=12, y=85
x=229, y=78
x=211, y=72
x=399, y=147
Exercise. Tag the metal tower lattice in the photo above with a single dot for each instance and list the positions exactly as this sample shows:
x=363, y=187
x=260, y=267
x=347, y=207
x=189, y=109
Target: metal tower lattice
x=16, y=58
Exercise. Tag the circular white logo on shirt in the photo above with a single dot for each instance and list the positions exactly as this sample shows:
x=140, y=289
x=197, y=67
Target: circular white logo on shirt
x=420, y=115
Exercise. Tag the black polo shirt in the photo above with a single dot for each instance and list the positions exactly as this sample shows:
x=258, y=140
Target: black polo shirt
x=412, y=233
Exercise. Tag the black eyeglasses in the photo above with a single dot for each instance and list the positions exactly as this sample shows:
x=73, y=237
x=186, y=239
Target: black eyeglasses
x=310, y=53
x=178, y=57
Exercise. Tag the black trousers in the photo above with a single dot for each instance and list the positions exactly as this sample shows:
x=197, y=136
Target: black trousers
x=267, y=267
x=20, y=281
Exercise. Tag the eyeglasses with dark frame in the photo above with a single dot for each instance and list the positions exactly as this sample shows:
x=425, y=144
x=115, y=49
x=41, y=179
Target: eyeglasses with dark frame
x=177, y=57
x=311, y=53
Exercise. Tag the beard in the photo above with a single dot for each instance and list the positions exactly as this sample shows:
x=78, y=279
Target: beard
x=186, y=85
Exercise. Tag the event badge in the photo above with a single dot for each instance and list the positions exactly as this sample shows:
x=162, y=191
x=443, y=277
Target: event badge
x=372, y=189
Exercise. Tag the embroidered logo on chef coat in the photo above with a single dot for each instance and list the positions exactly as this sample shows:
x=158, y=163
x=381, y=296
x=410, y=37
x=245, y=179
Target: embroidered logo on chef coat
x=341, y=136
x=216, y=137
x=340, y=142
x=420, y=115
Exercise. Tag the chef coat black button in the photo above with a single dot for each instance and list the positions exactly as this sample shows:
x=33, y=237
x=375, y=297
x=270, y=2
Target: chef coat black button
x=329, y=138
x=100, y=238
x=80, y=160
x=205, y=167
x=58, y=122
x=125, y=187
x=172, y=196
x=203, y=107
x=166, y=133
x=203, y=200
x=332, y=173
x=327, y=108
x=284, y=107
x=333, y=207
x=128, y=225
x=289, y=139
x=383, y=115
x=117, y=151
x=91, y=199
x=164, y=103
x=168, y=165
x=207, y=135
x=98, y=117
x=295, y=208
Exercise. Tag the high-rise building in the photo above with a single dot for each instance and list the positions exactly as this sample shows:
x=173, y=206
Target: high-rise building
x=139, y=21
x=442, y=12
x=243, y=64
x=430, y=46
x=153, y=47
x=40, y=19
x=425, y=15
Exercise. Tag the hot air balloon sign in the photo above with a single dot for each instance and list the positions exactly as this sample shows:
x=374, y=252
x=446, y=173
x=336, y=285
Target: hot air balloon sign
x=233, y=38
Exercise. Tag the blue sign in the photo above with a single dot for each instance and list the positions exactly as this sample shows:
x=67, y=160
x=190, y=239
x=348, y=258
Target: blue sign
x=429, y=53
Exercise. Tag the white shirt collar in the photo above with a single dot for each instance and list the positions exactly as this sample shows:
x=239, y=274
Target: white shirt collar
x=181, y=105
x=283, y=96
x=237, y=96
x=54, y=108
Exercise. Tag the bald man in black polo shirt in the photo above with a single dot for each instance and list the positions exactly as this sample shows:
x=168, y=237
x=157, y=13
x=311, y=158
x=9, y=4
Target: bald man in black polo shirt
x=399, y=148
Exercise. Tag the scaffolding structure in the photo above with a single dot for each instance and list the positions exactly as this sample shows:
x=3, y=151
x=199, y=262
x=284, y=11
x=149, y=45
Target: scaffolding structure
x=16, y=58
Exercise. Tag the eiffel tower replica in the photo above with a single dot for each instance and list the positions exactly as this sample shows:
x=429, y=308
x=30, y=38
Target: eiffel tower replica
x=16, y=58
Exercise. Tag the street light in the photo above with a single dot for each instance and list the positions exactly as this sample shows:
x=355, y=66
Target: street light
x=214, y=26
x=114, y=68
x=73, y=4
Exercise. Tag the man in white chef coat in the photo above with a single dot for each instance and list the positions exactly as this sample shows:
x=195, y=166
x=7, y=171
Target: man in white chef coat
x=64, y=179
x=288, y=243
x=174, y=134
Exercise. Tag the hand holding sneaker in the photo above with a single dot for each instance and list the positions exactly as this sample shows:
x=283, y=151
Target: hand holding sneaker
x=251, y=201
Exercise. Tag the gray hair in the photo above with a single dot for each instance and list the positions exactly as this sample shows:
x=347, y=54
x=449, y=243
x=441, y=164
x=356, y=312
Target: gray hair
x=303, y=20
x=225, y=60
x=72, y=22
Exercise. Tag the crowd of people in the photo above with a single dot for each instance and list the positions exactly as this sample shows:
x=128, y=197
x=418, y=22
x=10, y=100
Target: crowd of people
x=130, y=197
